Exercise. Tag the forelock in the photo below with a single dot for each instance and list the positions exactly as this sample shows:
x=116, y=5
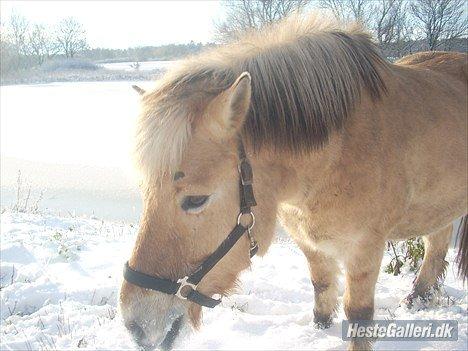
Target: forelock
x=162, y=135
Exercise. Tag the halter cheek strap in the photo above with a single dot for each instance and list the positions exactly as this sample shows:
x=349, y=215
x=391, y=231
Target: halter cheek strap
x=186, y=288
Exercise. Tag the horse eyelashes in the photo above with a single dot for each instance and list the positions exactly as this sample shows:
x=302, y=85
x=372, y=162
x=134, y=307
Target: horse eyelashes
x=178, y=175
x=193, y=202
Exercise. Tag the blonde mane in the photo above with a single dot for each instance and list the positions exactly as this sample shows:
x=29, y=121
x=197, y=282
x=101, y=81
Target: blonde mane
x=307, y=76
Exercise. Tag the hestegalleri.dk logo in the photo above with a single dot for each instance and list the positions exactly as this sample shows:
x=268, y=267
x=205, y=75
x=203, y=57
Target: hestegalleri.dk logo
x=435, y=330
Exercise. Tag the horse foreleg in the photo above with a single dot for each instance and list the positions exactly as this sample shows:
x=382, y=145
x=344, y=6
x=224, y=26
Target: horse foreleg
x=433, y=267
x=323, y=274
x=362, y=270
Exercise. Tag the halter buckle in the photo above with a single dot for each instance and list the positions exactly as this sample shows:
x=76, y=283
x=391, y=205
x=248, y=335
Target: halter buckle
x=245, y=172
x=184, y=283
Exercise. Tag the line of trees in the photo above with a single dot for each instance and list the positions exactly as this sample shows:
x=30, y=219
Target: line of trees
x=25, y=44
x=67, y=37
x=399, y=26
x=145, y=53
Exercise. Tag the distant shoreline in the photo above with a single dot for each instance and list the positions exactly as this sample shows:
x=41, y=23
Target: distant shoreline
x=100, y=75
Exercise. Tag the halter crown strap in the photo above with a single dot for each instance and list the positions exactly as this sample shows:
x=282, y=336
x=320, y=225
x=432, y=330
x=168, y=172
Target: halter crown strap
x=185, y=288
x=247, y=198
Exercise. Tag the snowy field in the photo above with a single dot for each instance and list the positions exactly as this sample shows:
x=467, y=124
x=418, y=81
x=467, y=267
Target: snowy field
x=144, y=66
x=60, y=278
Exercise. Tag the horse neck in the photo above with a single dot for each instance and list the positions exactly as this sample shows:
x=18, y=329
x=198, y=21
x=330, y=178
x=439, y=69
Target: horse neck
x=280, y=179
x=282, y=174
x=305, y=179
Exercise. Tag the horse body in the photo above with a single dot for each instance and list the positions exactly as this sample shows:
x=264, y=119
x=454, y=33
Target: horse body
x=398, y=169
x=435, y=160
x=348, y=151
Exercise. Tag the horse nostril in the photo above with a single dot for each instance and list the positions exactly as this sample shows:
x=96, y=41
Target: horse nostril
x=168, y=341
x=136, y=331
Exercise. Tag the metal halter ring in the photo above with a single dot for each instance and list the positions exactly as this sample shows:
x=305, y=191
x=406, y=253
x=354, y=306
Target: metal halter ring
x=252, y=219
x=183, y=283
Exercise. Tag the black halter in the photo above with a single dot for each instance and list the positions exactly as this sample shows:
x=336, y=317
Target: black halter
x=186, y=288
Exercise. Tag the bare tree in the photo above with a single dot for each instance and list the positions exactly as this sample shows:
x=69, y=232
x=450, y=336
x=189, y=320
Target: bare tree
x=440, y=19
x=349, y=10
x=40, y=44
x=404, y=32
x=388, y=20
x=18, y=32
x=386, y=13
x=71, y=37
x=242, y=15
x=8, y=53
x=392, y=27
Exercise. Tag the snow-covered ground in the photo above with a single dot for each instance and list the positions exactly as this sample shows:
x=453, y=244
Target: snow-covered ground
x=60, y=278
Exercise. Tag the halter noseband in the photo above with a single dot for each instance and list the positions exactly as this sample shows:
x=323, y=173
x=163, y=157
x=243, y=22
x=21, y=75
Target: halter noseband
x=186, y=287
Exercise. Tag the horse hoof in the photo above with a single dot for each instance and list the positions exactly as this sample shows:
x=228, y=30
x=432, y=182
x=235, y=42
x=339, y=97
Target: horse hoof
x=407, y=302
x=417, y=300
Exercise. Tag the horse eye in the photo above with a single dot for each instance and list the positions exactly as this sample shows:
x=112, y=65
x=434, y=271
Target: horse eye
x=193, y=202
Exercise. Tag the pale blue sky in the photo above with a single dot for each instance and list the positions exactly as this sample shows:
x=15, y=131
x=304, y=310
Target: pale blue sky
x=122, y=24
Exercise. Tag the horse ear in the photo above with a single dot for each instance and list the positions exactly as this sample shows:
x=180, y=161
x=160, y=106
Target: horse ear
x=138, y=89
x=239, y=95
x=230, y=108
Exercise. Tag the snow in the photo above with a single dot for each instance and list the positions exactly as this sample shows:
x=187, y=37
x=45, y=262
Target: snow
x=60, y=277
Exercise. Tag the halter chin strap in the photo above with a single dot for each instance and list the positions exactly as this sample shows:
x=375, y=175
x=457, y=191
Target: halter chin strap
x=186, y=288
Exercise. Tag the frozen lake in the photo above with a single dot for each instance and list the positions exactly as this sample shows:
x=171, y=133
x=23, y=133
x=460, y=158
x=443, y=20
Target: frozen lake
x=72, y=141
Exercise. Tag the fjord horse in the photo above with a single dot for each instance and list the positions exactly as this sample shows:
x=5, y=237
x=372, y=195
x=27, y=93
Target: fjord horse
x=347, y=150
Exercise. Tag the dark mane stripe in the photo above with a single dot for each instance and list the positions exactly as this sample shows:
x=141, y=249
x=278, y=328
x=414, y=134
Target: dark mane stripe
x=304, y=90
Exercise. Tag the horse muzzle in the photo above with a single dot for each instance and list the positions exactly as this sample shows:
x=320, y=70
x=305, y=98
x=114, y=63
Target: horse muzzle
x=153, y=319
x=149, y=343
